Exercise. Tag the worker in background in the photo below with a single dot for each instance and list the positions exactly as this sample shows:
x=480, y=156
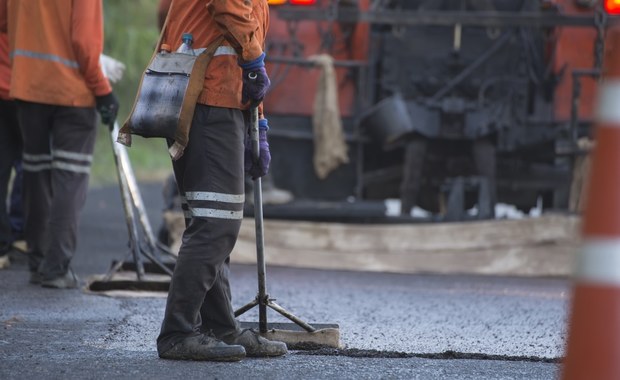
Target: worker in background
x=10, y=157
x=59, y=85
x=199, y=321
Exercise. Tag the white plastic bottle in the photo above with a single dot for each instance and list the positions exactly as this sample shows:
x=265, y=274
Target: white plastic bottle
x=186, y=46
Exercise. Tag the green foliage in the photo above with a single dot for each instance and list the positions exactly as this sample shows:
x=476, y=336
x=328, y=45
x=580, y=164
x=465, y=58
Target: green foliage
x=130, y=36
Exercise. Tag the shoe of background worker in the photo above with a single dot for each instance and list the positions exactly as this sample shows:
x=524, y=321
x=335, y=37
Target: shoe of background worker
x=67, y=281
x=255, y=345
x=275, y=196
x=271, y=196
x=20, y=245
x=5, y=262
x=204, y=347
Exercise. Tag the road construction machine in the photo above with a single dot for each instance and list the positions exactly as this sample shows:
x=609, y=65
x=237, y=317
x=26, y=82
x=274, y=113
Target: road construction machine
x=447, y=106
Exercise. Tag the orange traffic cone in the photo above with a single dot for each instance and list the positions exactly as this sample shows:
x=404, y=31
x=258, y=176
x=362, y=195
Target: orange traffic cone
x=593, y=350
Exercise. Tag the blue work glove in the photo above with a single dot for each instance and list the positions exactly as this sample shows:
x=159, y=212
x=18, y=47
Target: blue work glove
x=260, y=168
x=255, y=81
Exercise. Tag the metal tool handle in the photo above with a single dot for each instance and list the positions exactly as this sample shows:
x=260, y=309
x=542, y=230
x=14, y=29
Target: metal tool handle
x=254, y=138
x=262, y=296
x=130, y=218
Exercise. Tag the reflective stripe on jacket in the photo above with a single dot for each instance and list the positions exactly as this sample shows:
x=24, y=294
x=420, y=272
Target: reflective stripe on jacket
x=244, y=26
x=55, y=48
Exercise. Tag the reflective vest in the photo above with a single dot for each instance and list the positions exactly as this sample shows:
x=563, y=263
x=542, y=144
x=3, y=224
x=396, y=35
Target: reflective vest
x=55, y=48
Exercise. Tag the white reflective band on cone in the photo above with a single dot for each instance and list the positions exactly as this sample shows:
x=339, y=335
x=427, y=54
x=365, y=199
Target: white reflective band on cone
x=608, y=110
x=599, y=261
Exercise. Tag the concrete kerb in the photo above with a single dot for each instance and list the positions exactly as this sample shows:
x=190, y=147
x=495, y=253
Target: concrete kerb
x=542, y=246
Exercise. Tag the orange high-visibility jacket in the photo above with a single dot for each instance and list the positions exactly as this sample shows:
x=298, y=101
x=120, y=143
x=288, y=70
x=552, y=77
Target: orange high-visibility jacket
x=55, y=48
x=243, y=23
x=5, y=67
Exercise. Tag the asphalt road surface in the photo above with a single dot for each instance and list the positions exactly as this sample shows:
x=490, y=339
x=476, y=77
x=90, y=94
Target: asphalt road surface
x=392, y=326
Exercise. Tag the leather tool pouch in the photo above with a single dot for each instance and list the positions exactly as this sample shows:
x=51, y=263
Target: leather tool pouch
x=166, y=100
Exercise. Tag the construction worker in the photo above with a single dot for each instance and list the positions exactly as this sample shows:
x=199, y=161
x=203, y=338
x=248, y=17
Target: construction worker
x=58, y=83
x=199, y=321
x=271, y=193
x=10, y=156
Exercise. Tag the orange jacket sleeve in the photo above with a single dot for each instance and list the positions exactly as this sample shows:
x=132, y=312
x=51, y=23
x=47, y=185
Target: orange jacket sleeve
x=235, y=21
x=87, y=41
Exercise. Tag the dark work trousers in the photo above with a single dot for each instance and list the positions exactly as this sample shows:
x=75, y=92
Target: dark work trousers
x=210, y=180
x=58, y=152
x=16, y=210
x=10, y=153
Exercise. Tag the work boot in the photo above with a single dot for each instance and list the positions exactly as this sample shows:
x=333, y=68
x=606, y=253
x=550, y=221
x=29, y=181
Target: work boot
x=255, y=345
x=4, y=257
x=67, y=281
x=276, y=196
x=20, y=245
x=272, y=195
x=204, y=347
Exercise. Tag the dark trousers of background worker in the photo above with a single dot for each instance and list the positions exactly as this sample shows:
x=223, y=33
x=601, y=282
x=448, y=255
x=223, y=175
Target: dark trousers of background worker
x=415, y=154
x=16, y=210
x=10, y=154
x=58, y=147
x=210, y=179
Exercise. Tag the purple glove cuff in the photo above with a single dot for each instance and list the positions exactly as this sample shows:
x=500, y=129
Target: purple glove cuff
x=254, y=64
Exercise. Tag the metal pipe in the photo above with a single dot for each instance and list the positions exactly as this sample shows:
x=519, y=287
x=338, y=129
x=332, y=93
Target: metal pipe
x=458, y=36
x=130, y=218
x=246, y=307
x=290, y=316
x=258, y=220
x=136, y=197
